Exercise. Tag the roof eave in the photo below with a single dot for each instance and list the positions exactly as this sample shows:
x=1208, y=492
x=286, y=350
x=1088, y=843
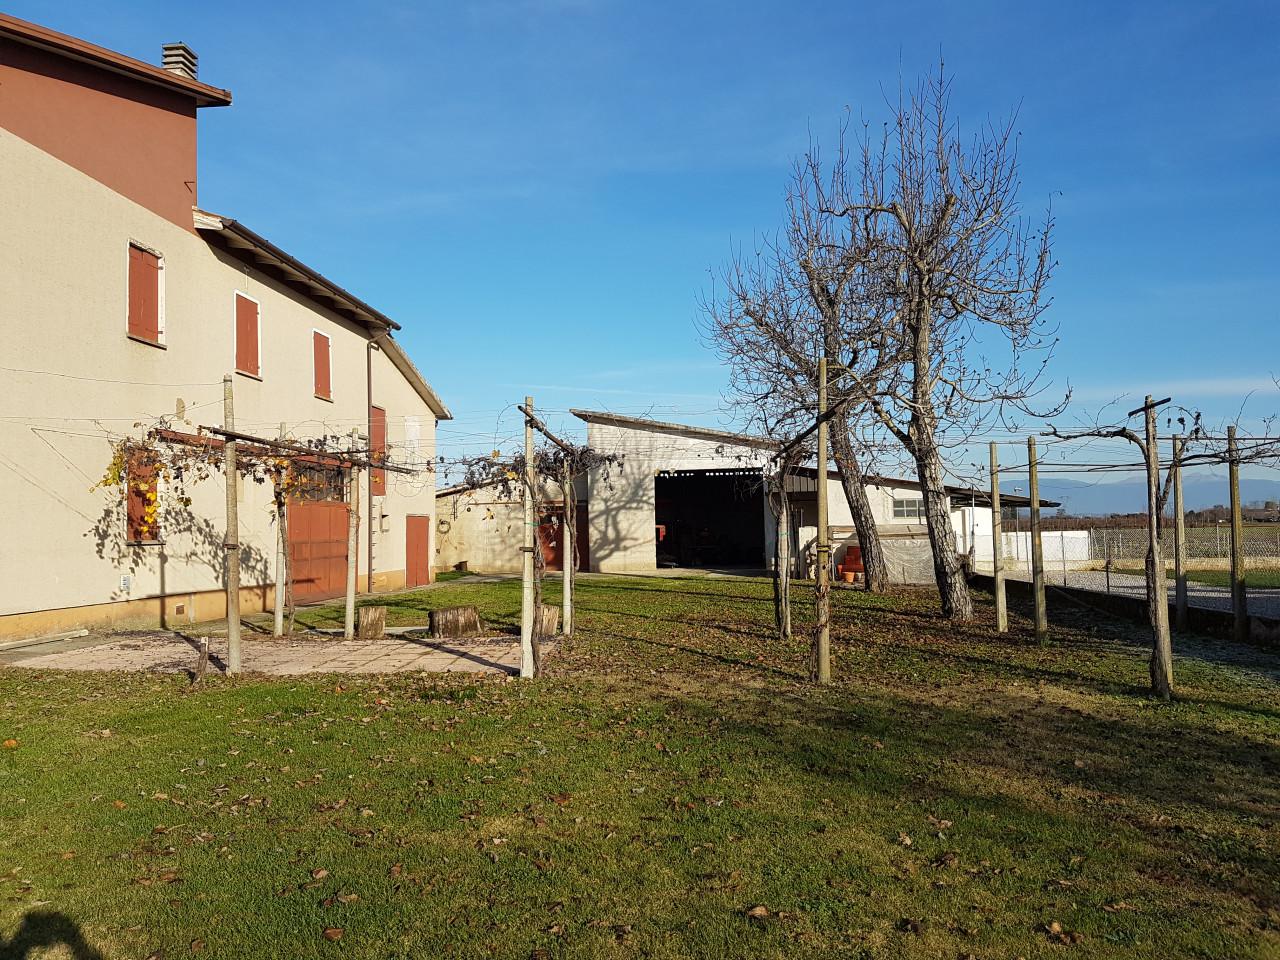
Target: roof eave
x=703, y=433
x=73, y=48
x=409, y=370
x=265, y=253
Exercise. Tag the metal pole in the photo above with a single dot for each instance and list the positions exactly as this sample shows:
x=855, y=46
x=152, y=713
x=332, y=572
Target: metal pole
x=1239, y=599
x=1037, y=547
x=822, y=634
x=282, y=557
x=231, y=543
x=353, y=539
x=527, y=613
x=1179, y=540
x=997, y=546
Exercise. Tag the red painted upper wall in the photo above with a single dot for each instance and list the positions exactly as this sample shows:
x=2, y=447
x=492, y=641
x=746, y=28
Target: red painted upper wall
x=136, y=138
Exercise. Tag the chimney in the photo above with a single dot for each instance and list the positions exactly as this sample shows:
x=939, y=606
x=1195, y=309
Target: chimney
x=180, y=59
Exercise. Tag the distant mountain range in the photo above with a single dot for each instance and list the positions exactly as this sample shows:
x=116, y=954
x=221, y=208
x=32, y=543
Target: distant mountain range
x=1087, y=498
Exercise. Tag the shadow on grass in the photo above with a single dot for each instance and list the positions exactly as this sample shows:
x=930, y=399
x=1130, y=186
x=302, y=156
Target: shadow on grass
x=1190, y=801
x=719, y=625
x=701, y=654
x=43, y=929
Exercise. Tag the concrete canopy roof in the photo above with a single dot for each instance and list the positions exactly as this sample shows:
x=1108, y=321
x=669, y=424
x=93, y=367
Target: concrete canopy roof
x=34, y=35
x=764, y=443
x=658, y=426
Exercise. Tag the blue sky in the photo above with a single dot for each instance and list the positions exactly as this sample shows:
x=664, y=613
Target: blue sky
x=538, y=189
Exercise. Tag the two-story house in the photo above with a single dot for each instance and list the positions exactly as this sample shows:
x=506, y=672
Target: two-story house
x=122, y=300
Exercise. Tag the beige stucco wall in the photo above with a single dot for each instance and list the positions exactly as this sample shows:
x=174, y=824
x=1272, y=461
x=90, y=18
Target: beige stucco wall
x=484, y=529
x=63, y=250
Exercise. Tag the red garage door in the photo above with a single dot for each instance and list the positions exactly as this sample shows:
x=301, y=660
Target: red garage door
x=318, y=549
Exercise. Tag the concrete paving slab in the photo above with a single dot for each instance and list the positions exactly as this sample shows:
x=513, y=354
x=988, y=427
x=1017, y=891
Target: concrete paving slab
x=169, y=652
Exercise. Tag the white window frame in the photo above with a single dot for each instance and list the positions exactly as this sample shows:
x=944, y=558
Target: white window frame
x=159, y=341
x=315, y=330
x=235, y=337
x=903, y=516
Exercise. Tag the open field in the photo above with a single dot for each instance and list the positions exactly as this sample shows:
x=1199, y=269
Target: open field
x=672, y=789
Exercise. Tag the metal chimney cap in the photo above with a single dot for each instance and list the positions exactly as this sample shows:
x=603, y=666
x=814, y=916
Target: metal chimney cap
x=180, y=59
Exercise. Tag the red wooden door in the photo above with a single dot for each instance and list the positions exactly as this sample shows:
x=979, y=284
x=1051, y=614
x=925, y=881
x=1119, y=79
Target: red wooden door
x=417, y=569
x=318, y=549
x=550, y=525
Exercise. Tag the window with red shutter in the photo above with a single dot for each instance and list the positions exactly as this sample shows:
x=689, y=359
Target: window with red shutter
x=142, y=506
x=146, y=320
x=378, y=450
x=320, y=355
x=247, y=336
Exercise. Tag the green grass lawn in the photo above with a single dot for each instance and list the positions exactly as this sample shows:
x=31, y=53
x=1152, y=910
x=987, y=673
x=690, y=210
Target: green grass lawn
x=673, y=788
x=1258, y=579
x=1263, y=579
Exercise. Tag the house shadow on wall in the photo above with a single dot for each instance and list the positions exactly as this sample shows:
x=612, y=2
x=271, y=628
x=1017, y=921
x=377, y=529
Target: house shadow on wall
x=189, y=541
x=42, y=930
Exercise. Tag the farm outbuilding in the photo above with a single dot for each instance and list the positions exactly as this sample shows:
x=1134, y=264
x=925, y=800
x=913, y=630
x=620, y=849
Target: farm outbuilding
x=692, y=497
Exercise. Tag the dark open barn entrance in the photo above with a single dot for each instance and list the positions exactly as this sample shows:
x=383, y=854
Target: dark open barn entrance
x=709, y=518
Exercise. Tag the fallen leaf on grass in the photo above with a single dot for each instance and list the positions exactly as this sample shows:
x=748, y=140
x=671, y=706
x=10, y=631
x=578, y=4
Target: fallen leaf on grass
x=197, y=946
x=758, y=912
x=119, y=804
x=319, y=873
x=9, y=744
x=904, y=840
x=1117, y=906
x=333, y=933
x=1057, y=934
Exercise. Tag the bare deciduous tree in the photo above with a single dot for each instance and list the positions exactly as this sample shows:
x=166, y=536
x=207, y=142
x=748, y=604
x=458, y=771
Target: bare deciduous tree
x=786, y=306
x=953, y=272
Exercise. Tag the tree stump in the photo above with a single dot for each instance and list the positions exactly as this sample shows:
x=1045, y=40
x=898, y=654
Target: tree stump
x=456, y=622
x=548, y=621
x=373, y=623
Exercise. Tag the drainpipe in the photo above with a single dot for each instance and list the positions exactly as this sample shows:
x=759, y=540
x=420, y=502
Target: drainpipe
x=368, y=474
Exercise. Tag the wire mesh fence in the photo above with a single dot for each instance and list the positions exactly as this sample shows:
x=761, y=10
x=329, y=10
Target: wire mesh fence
x=1108, y=553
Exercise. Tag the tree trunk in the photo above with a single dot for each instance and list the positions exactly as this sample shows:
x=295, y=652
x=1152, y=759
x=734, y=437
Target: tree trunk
x=782, y=561
x=957, y=604
x=539, y=565
x=1161, y=666
x=855, y=492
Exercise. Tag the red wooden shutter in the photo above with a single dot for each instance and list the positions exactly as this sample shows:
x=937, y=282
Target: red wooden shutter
x=144, y=294
x=320, y=350
x=141, y=495
x=247, y=336
x=378, y=449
